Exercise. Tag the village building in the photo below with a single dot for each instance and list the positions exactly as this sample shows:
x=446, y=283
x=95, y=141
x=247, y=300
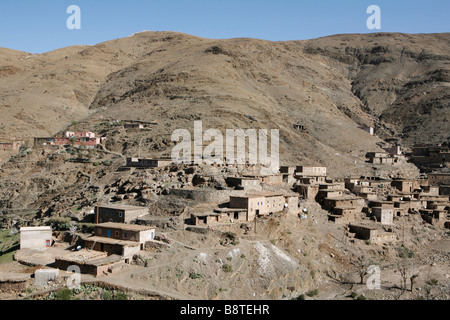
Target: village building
x=244, y=183
x=148, y=163
x=308, y=191
x=12, y=145
x=311, y=171
x=120, y=238
x=259, y=204
x=220, y=216
x=344, y=201
x=435, y=217
x=372, y=234
x=343, y=215
x=133, y=126
x=444, y=190
x=429, y=190
x=329, y=191
x=437, y=179
x=273, y=179
x=383, y=215
x=393, y=150
x=406, y=185
x=120, y=213
x=93, y=264
x=287, y=169
x=35, y=237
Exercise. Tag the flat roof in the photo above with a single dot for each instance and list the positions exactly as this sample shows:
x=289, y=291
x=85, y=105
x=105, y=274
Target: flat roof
x=225, y=210
x=125, y=226
x=121, y=207
x=96, y=261
x=36, y=228
x=259, y=195
x=113, y=241
x=346, y=198
x=363, y=226
x=244, y=177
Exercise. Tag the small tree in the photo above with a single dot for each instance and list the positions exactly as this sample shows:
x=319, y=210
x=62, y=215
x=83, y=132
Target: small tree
x=413, y=280
x=361, y=264
x=403, y=269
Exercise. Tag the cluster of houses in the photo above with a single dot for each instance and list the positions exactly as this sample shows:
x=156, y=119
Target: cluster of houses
x=429, y=157
x=360, y=204
x=12, y=145
x=76, y=139
x=115, y=242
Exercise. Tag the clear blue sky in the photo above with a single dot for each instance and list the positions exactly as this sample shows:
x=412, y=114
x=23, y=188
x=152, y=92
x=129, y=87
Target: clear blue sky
x=40, y=25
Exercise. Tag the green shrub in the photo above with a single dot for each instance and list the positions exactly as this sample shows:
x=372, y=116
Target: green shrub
x=64, y=294
x=120, y=296
x=227, y=268
x=194, y=275
x=60, y=224
x=107, y=295
x=361, y=297
x=432, y=282
x=312, y=293
x=404, y=252
x=354, y=295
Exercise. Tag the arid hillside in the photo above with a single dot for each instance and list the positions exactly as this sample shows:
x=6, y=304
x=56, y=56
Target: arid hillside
x=333, y=86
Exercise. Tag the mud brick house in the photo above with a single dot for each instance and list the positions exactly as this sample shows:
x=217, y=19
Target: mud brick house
x=96, y=264
x=273, y=180
x=133, y=126
x=434, y=217
x=288, y=174
x=35, y=237
x=120, y=213
x=343, y=215
x=345, y=201
x=430, y=190
x=381, y=158
x=6, y=146
x=219, y=216
x=372, y=234
x=405, y=185
x=444, y=190
x=244, y=183
x=258, y=204
x=291, y=203
x=311, y=171
x=438, y=179
x=12, y=145
x=287, y=169
x=329, y=190
x=120, y=239
x=308, y=191
x=148, y=163
x=384, y=215
x=381, y=204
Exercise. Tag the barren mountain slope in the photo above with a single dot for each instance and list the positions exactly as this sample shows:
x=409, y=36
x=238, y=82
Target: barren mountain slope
x=401, y=79
x=331, y=85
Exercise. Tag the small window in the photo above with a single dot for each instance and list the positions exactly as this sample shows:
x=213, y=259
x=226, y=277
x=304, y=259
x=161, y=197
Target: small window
x=117, y=233
x=121, y=214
